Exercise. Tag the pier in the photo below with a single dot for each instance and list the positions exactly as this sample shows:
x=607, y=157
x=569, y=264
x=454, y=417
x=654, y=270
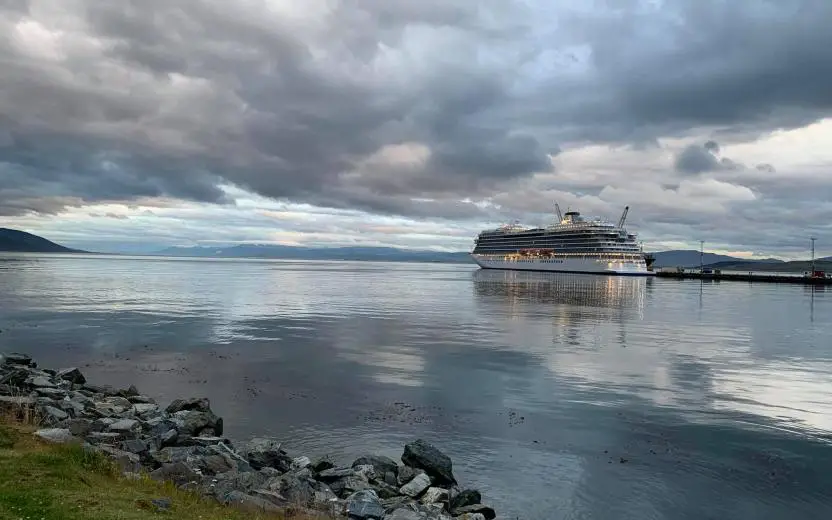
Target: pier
x=817, y=278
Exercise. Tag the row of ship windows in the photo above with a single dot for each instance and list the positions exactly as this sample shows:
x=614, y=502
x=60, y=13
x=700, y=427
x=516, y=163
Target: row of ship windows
x=552, y=242
x=559, y=247
x=540, y=231
x=532, y=261
x=545, y=241
x=564, y=250
x=558, y=236
x=599, y=240
x=601, y=256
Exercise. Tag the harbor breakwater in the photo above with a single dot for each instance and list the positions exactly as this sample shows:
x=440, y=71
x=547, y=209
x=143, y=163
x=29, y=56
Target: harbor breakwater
x=183, y=443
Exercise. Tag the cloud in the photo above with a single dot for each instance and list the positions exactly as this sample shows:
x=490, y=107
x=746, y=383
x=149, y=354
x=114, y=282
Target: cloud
x=427, y=110
x=150, y=98
x=695, y=159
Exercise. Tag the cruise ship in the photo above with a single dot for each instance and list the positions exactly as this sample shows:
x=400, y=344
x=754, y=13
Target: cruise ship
x=574, y=244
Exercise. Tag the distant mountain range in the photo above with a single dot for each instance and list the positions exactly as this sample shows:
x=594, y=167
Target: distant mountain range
x=13, y=240
x=690, y=258
x=23, y=242
x=388, y=254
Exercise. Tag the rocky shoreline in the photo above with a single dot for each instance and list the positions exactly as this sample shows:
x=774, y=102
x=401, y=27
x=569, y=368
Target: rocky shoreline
x=183, y=443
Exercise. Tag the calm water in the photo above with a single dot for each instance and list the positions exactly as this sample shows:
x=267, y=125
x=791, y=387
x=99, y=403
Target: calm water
x=716, y=397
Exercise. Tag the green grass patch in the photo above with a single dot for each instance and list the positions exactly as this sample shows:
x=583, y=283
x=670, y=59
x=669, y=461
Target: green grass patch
x=48, y=482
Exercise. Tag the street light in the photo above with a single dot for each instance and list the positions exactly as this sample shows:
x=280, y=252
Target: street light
x=813, y=256
x=701, y=253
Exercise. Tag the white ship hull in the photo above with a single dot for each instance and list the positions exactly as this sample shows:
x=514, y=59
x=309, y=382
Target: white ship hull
x=587, y=265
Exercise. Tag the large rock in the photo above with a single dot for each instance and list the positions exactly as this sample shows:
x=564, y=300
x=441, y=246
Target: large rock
x=365, y=471
x=417, y=486
x=485, y=511
x=145, y=409
x=79, y=427
x=332, y=474
x=406, y=474
x=104, y=437
x=249, y=503
x=346, y=486
x=322, y=464
x=406, y=514
x=323, y=495
x=73, y=375
x=291, y=490
x=187, y=454
x=214, y=464
x=364, y=505
x=391, y=504
x=54, y=415
x=131, y=391
x=136, y=399
x=380, y=463
x=435, y=495
x=55, y=435
x=14, y=358
x=196, y=422
x=178, y=472
x=105, y=390
x=74, y=408
x=50, y=392
x=198, y=404
x=40, y=382
x=468, y=497
x=423, y=455
x=15, y=378
x=113, y=406
x=126, y=461
x=136, y=446
x=247, y=482
x=262, y=453
x=125, y=426
x=385, y=490
x=301, y=463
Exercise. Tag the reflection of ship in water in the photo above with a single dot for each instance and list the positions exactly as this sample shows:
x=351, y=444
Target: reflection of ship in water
x=559, y=288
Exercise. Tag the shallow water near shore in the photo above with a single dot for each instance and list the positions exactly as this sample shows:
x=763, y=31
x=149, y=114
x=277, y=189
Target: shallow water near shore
x=558, y=396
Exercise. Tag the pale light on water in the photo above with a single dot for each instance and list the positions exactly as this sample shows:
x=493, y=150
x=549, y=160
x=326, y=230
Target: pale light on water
x=560, y=396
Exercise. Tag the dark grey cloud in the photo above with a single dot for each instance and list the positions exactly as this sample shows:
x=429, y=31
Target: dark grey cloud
x=147, y=98
x=695, y=159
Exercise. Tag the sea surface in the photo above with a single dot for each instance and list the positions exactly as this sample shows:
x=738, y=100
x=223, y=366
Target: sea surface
x=559, y=396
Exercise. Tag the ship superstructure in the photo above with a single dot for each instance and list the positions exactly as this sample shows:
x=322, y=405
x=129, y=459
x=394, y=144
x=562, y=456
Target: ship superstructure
x=572, y=244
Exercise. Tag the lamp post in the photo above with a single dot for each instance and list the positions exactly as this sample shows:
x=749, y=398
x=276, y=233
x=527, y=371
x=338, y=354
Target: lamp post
x=701, y=253
x=813, y=256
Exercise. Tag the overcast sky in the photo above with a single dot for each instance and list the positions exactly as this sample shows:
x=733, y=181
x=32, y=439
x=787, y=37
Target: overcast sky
x=135, y=124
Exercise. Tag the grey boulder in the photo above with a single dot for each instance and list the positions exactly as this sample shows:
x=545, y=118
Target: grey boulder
x=198, y=404
x=380, y=463
x=417, y=486
x=14, y=358
x=422, y=455
x=195, y=423
x=364, y=505
x=178, y=472
x=73, y=375
x=246, y=502
x=464, y=498
x=485, y=511
x=55, y=435
x=266, y=453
